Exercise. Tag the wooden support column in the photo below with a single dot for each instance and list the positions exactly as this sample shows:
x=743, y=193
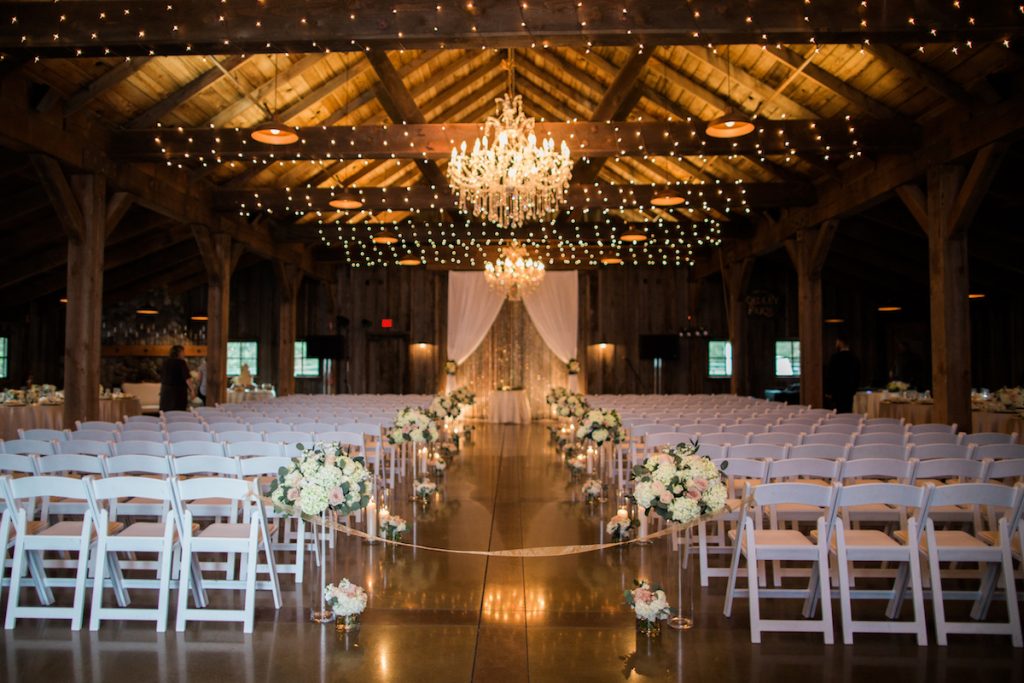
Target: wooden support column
x=289, y=279
x=945, y=211
x=82, y=208
x=808, y=251
x=220, y=255
x=735, y=278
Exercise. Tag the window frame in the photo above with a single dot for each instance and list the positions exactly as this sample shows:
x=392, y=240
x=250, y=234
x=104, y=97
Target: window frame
x=793, y=357
x=5, y=356
x=726, y=357
x=241, y=357
x=301, y=368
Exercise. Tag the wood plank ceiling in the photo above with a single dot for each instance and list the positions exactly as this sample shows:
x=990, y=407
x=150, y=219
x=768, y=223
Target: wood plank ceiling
x=380, y=95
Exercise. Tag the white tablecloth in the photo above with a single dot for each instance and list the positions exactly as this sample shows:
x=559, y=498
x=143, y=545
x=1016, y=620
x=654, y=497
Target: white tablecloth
x=916, y=412
x=867, y=402
x=256, y=395
x=508, y=407
x=13, y=418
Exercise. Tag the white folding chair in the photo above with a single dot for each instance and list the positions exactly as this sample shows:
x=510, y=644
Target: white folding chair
x=940, y=450
x=780, y=545
x=43, y=434
x=960, y=546
x=987, y=438
x=85, y=447
x=739, y=473
x=928, y=438
x=185, y=448
x=872, y=545
x=842, y=428
x=238, y=437
x=29, y=447
x=896, y=437
x=265, y=427
x=995, y=451
x=776, y=438
x=140, y=448
x=190, y=425
x=309, y=427
x=100, y=425
x=248, y=449
x=145, y=537
x=821, y=451
x=261, y=470
x=67, y=464
x=98, y=435
x=32, y=539
x=150, y=435
x=756, y=451
x=244, y=537
x=142, y=420
x=232, y=426
x=289, y=437
x=179, y=436
x=722, y=438
x=884, y=422
x=891, y=451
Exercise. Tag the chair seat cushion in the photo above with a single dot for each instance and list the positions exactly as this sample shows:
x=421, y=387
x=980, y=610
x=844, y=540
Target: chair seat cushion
x=75, y=529
x=779, y=537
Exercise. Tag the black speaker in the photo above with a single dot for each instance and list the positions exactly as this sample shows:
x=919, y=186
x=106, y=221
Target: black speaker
x=663, y=346
x=333, y=346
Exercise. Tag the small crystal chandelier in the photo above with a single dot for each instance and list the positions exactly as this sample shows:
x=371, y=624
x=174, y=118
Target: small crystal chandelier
x=514, y=272
x=509, y=177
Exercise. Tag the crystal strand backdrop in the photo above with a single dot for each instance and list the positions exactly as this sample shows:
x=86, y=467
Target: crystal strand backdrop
x=513, y=354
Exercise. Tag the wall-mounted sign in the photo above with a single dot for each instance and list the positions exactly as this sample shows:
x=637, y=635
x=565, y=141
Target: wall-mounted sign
x=763, y=304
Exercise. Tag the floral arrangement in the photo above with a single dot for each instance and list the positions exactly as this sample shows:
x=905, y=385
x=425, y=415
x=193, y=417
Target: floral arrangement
x=600, y=426
x=412, y=425
x=450, y=367
x=648, y=602
x=346, y=599
x=392, y=526
x=572, y=406
x=556, y=396
x=423, y=488
x=573, y=366
x=323, y=476
x=464, y=396
x=897, y=386
x=679, y=484
x=592, y=489
x=436, y=462
x=575, y=461
x=444, y=407
x=620, y=527
x=1011, y=397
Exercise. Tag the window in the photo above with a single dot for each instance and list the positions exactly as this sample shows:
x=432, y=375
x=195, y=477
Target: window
x=787, y=358
x=305, y=366
x=3, y=357
x=242, y=352
x=719, y=358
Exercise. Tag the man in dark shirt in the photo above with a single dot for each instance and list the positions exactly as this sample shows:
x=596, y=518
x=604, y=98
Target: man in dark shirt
x=842, y=377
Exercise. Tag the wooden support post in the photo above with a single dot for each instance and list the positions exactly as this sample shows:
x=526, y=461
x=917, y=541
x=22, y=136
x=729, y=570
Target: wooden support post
x=220, y=256
x=808, y=252
x=735, y=278
x=82, y=209
x=945, y=211
x=289, y=279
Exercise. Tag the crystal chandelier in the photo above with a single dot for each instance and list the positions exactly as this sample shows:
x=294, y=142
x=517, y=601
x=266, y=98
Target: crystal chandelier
x=514, y=272
x=510, y=177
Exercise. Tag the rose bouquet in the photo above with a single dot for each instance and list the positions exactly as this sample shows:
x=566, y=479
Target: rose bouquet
x=556, y=395
x=392, y=526
x=323, y=476
x=575, y=460
x=592, y=490
x=573, y=366
x=422, y=489
x=347, y=601
x=620, y=527
x=444, y=407
x=450, y=367
x=600, y=426
x=436, y=462
x=679, y=484
x=412, y=425
x=572, y=406
x=650, y=605
x=464, y=396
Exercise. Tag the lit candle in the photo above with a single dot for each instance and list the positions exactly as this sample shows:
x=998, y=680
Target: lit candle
x=371, y=519
x=643, y=522
x=622, y=512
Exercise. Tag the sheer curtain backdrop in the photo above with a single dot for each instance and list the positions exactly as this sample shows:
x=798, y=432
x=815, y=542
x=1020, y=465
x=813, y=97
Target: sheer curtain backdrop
x=472, y=308
x=554, y=310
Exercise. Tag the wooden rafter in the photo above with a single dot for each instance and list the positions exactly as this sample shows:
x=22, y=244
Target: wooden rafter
x=168, y=104
x=110, y=79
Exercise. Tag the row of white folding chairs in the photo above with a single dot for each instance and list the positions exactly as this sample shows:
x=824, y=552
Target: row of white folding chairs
x=100, y=537
x=1005, y=451
x=177, y=448
x=786, y=438
x=833, y=544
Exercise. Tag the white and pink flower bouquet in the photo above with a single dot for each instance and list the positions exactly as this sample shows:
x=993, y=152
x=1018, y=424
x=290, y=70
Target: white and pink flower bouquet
x=347, y=601
x=556, y=395
x=592, y=489
x=679, y=485
x=573, y=366
x=392, y=526
x=445, y=407
x=422, y=489
x=1011, y=397
x=600, y=427
x=463, y=396
x=620, y=527
x=436, y=462
x=412, y=425
x=450, y=367
x=649, y=603
x=322, y=476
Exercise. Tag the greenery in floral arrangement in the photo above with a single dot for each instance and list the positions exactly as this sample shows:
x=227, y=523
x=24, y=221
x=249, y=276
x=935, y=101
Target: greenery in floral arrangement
x=392, y=526
x=464, y=396
x=600, y=427
x=679, y=485
x=592, y=489
x=346, y=599
x=444, y=407
x=423, y=489
x=412, y=425
x=572, y=406
x=620, y=527
x=556, y=395
x=322, y=476
x=437, y=463
x=450, y=367
x=648, y=601
x=573, y=366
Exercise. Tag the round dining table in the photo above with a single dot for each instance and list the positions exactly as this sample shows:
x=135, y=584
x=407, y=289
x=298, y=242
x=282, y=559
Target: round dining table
x=41, y=416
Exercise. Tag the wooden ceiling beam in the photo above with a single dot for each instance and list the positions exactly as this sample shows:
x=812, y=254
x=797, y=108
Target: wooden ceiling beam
x=425, y=141
x=166, y=106
x=265, y=90
x=921, y=73
x=78, y=101
x=201, y=27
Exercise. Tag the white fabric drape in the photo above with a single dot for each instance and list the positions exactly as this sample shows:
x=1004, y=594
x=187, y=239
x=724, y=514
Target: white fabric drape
x=554, y=309
x=472, y=308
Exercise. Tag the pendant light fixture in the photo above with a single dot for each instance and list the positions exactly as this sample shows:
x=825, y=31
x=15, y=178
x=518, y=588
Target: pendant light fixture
x=633, y=235
x=274, y=132
x=409, y=259
x=733, y=123
x=385, y=236
x=611, y=259
x=667, y=198
x=342, y=199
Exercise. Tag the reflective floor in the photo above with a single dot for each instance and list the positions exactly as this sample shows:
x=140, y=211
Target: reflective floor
x=443, y=617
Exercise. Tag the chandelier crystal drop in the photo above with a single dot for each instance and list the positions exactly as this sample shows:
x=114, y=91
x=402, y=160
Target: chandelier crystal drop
x=514, y=272
x=510, y=177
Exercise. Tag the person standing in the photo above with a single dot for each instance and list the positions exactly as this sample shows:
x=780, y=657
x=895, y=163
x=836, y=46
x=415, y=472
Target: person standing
x=174, y=376
x=201, y=384
x=842, y=377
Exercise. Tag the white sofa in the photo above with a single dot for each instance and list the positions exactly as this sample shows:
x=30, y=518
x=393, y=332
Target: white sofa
x=148, y=394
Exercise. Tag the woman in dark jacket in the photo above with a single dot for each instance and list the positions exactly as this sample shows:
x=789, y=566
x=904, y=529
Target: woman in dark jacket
x=174, y=377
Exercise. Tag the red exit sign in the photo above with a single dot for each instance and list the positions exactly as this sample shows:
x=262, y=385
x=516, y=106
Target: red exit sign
x=386, y=323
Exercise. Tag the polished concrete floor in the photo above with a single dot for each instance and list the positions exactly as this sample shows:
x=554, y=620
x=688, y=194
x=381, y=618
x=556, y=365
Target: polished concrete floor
x=444, y=617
